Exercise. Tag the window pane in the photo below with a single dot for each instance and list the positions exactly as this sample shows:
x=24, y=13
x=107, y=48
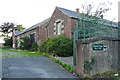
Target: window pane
x=59, y=28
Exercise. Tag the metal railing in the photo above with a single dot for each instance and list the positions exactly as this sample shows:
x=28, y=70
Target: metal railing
x=93, y=28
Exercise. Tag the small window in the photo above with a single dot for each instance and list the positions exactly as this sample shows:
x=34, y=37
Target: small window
x=58, y=27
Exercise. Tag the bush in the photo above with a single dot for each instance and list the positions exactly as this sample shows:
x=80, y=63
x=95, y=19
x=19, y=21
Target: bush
x=8, y=42
x=64, y=46
x=34, y=47
x=61, y=46
x=25, y=43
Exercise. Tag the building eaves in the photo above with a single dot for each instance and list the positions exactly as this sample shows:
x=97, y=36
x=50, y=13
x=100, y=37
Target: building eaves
x=35, y=26
x=17, y=33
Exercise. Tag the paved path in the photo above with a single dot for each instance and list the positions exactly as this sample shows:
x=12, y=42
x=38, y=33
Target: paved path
x=66, y=60
x=33, y=67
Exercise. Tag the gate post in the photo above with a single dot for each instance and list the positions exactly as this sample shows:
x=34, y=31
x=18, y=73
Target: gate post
x=79, y=57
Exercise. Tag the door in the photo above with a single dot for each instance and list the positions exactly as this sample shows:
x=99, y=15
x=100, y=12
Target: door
x=32, y=38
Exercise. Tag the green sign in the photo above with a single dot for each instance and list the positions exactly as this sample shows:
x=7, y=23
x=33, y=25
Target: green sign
x=97, y=46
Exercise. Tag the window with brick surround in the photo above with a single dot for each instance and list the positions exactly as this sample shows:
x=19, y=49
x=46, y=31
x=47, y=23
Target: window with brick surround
x=58, y=27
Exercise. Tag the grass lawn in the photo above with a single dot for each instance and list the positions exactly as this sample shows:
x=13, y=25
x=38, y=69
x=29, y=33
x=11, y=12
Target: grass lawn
x=6, y=53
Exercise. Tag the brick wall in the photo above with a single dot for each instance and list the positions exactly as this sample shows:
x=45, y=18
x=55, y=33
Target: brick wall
x=43, y=34
x=67, y=22
x=46, y=30
x=34, y=31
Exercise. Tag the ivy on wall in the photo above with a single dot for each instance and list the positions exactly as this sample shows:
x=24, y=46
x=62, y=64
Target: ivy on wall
x=88, y=64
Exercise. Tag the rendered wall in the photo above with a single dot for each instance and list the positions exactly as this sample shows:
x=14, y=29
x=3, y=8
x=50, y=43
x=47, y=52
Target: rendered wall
x=105, y=60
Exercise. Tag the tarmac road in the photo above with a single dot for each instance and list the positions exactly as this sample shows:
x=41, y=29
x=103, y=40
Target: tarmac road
x=33, y=67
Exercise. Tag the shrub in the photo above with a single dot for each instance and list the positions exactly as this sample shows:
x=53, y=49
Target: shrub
x=34, y=47
x=47, y=46
x=61, y=46
x=64, y=46
x=64, y=65
x=8, y=42
x=25, y=43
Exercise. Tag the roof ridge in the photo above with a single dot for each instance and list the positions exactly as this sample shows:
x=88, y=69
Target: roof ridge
x=68, y=12
x=65, y=9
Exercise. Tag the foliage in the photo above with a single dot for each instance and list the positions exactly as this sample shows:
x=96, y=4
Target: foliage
x=89, y=16
x=8, y=42
x=109, y=74
x=89, y=10
x=7, y=27
x=67, y=67
x=25, y=43
x=87, y=77
x=19, y=28
x=34, y=47
x=88, y=65
x=61, y=46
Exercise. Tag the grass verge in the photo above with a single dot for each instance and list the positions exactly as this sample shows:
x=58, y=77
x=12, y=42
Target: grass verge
x=7, y=53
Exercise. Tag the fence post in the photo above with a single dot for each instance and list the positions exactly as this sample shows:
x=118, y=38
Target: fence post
x=111, y=28
x=84, y=29
x=97, y=28
x=74, y=49
x=74, y=43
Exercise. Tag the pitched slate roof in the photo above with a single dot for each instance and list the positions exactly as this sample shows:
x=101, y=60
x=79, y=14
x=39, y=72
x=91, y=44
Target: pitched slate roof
x=35, y=26
x=70, y=13
x=17, y=33
x=74, y=14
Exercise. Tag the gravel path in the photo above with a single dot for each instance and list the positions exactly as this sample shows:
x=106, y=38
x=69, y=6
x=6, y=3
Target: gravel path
x=33, y=67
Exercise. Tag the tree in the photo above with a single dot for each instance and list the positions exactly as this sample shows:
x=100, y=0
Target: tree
x=19, y=28
x=8, y=27
x=91, y=16
x=90, y=11
x=8, y=42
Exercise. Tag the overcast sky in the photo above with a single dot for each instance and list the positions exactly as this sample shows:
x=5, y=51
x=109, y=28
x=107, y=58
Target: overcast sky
x=31, y=12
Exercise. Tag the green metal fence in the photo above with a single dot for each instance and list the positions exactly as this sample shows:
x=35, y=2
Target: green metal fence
x=93, y=28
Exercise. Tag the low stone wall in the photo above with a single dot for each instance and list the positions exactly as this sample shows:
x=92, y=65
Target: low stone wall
x=105, y=60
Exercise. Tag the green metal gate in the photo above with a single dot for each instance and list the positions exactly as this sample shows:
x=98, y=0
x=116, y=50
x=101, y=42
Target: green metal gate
x=93, y=28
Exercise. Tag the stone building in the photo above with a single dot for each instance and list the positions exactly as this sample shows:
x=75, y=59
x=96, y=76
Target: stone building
x=62, y=21
x=37, y=33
